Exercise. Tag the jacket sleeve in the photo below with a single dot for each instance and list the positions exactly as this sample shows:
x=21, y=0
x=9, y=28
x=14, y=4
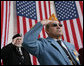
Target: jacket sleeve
x=31, y=42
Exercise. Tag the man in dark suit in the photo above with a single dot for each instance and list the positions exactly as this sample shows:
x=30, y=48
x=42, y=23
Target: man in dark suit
x=14, y=53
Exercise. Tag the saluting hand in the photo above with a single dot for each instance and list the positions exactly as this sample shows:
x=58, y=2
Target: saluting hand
x=45, y=22
x=14, y=41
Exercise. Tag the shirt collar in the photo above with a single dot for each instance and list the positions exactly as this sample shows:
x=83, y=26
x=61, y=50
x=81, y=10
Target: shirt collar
x=57, y=39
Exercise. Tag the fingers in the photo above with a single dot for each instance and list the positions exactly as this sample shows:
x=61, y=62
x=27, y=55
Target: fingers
x=47, y=20
x=14, y=41
x=44, y=22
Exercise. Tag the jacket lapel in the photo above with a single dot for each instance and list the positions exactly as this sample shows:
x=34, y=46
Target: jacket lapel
x=52, y=41
x=71, y=51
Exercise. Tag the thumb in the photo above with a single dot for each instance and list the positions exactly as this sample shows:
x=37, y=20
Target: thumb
x=14, y=41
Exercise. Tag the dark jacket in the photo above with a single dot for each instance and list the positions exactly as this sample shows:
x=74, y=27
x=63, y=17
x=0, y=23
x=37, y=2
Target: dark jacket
x=11, y=56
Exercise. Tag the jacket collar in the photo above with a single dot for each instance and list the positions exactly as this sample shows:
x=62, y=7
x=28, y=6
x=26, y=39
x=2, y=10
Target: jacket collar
x=52, y=41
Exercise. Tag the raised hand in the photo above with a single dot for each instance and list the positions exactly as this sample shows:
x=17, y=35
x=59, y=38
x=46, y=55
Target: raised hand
x=45, y=22
x=14, y=41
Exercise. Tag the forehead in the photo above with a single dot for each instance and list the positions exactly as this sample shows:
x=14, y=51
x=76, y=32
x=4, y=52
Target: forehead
x=19, y=37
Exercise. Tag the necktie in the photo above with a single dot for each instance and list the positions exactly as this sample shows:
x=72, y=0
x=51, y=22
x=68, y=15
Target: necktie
x=20, y=52
x=59, y=41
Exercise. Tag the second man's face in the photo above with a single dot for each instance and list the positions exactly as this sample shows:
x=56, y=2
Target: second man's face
x=18, y=41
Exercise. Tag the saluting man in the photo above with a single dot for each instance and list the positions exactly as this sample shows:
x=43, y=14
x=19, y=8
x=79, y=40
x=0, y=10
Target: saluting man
x=51, y=50
x=14, y=53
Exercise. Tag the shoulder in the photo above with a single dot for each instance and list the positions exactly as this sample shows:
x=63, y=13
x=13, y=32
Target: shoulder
x=70, y=45
x=5, y=51
x=8, y=46
x=42, y=39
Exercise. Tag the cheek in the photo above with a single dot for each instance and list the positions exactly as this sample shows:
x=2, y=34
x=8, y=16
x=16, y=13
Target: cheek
x=18, y=41
x=52, y=30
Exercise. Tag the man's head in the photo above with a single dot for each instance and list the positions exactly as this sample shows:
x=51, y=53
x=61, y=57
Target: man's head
x=17, y=40
x=54, y=28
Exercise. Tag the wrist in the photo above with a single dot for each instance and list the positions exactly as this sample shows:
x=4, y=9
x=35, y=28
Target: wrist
x=42, y=22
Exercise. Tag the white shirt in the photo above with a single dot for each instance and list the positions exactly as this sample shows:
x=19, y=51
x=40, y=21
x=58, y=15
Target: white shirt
x=61, y=43
x=20, y=50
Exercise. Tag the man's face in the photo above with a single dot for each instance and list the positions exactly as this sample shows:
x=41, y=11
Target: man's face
x=18, y=41
x=55, y=29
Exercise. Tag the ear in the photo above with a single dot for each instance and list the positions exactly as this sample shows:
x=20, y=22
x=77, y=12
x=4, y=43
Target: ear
x=47, y=30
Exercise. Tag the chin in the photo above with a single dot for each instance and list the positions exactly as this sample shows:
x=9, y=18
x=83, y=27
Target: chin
x=58, y=35
x=19, y=45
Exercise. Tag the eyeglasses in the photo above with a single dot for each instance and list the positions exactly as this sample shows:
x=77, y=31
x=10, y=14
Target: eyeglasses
x=19, y=39
x=55, y=25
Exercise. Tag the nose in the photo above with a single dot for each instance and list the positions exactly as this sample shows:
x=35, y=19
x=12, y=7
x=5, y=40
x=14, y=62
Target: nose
x=58, y=27
x=19, y=40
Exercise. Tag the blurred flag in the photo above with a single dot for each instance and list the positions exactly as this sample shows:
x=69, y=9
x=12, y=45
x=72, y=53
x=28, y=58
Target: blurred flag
x=5, y=17
x=28, y=14
x=70, y=14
